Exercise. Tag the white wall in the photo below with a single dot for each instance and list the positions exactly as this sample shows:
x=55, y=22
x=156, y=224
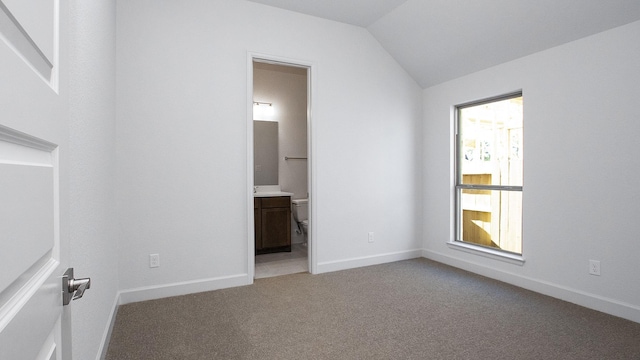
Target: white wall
x=92, y=170
x=580, y=173
x=182, y=140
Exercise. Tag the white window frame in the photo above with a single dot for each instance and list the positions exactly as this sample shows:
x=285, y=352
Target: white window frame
x=457, y=242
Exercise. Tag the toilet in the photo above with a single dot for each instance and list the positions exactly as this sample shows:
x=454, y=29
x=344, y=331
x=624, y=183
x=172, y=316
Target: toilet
x=300, y=211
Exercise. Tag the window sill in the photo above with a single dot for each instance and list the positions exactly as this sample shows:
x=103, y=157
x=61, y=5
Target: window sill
x=486, y=252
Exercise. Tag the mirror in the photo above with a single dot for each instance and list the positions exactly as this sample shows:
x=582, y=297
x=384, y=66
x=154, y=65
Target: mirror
x=265, y=153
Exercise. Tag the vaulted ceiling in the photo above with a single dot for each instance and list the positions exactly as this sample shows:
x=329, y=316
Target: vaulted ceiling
x=439, y=40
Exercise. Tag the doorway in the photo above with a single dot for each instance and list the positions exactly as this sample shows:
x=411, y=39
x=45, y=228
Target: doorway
x=279, y=160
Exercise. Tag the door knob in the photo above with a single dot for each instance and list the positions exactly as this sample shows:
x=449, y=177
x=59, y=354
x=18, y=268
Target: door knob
x=79, y=286
x=72, y=288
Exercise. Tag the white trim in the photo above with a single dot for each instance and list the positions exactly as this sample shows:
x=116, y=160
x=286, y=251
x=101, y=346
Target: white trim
x=23, y=139
x=106, y=336
x=28, y=51
x=183, y=288
x=250, y=181
x=54, y=79
x=38, y=275
x=311, y=170
x=311, y=94
x=487, y=252
x=579, y=297
x=352, y=263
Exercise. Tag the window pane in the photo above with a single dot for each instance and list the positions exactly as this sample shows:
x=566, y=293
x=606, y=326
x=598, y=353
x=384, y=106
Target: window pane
x=491, y=218
x=490, y=143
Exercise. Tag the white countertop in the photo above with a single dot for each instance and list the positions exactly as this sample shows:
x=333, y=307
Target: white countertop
x=269, y=191
x=272, y=194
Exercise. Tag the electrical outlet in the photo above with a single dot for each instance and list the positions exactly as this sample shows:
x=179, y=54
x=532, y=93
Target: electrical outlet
x=594, y=267
x=154, y=260
x=370, y=236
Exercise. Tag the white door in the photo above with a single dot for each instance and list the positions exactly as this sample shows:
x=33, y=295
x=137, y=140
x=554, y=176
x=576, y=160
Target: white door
x=33, y=179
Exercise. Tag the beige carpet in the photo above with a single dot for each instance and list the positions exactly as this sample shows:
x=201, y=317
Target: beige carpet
x=415, y=309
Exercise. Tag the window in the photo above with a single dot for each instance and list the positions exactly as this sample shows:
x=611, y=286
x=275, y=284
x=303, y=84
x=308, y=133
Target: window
x=489, y=150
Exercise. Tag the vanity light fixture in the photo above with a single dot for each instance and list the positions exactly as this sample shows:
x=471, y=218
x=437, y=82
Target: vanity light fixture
x=263, y=111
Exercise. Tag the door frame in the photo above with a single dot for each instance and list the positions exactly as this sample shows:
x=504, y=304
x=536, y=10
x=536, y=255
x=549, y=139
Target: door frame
x=311, y=181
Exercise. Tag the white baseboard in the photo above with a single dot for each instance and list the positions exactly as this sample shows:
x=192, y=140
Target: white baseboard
x=182, y=288
x=345, y=264
x=579, y=297
x=106, y=336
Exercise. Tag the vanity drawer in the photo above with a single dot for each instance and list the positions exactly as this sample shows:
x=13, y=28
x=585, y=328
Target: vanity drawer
x=276, y=202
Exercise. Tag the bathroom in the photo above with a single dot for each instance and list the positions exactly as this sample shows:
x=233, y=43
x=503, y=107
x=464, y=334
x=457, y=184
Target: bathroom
x=280, y=96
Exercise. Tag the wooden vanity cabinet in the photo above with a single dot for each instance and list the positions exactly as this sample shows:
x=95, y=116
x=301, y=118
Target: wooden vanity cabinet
x=272, y=224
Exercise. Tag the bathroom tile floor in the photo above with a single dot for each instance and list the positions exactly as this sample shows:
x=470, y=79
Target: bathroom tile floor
x=283, y=263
